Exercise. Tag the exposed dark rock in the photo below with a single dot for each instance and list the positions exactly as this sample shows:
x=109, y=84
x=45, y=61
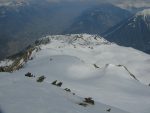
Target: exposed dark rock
x=42, y=41
x=18, y=60
x=83, y=104
x=2, y=69
x=108, y=110
x=29, y=74
x=68, y=90
x=86, y=102
x=31, y=58
x=89, y=100
x=73, y=93
x=41, y=79
x=54, y=82
x=95, y=66
x=50, y=59
x=132, y=75
x=59, y=84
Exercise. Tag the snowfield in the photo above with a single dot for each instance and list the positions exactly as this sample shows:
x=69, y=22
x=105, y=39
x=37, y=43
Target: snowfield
x=115, y=77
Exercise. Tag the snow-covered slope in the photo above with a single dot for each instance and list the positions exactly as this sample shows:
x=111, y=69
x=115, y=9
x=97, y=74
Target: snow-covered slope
x=115, y=77
x=22, y=95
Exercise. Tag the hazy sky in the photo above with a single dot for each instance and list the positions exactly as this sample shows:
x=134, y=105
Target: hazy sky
x=122, y=3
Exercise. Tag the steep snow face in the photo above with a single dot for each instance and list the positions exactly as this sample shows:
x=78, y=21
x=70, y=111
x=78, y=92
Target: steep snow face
x=88, y=65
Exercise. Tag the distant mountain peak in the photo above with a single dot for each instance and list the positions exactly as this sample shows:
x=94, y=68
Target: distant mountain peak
x=145, y=12
x=15, y=3
x=133, y=32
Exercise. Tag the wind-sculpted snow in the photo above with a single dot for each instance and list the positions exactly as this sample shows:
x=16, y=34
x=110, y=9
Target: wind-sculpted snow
x=115, y=77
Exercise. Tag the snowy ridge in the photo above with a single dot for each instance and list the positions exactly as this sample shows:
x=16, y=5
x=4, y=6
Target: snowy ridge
x=115, y=77
x=78, y=39
x=59, y=41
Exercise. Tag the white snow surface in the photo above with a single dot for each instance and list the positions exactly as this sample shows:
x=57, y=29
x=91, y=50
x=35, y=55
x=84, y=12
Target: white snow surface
x=72, y=61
